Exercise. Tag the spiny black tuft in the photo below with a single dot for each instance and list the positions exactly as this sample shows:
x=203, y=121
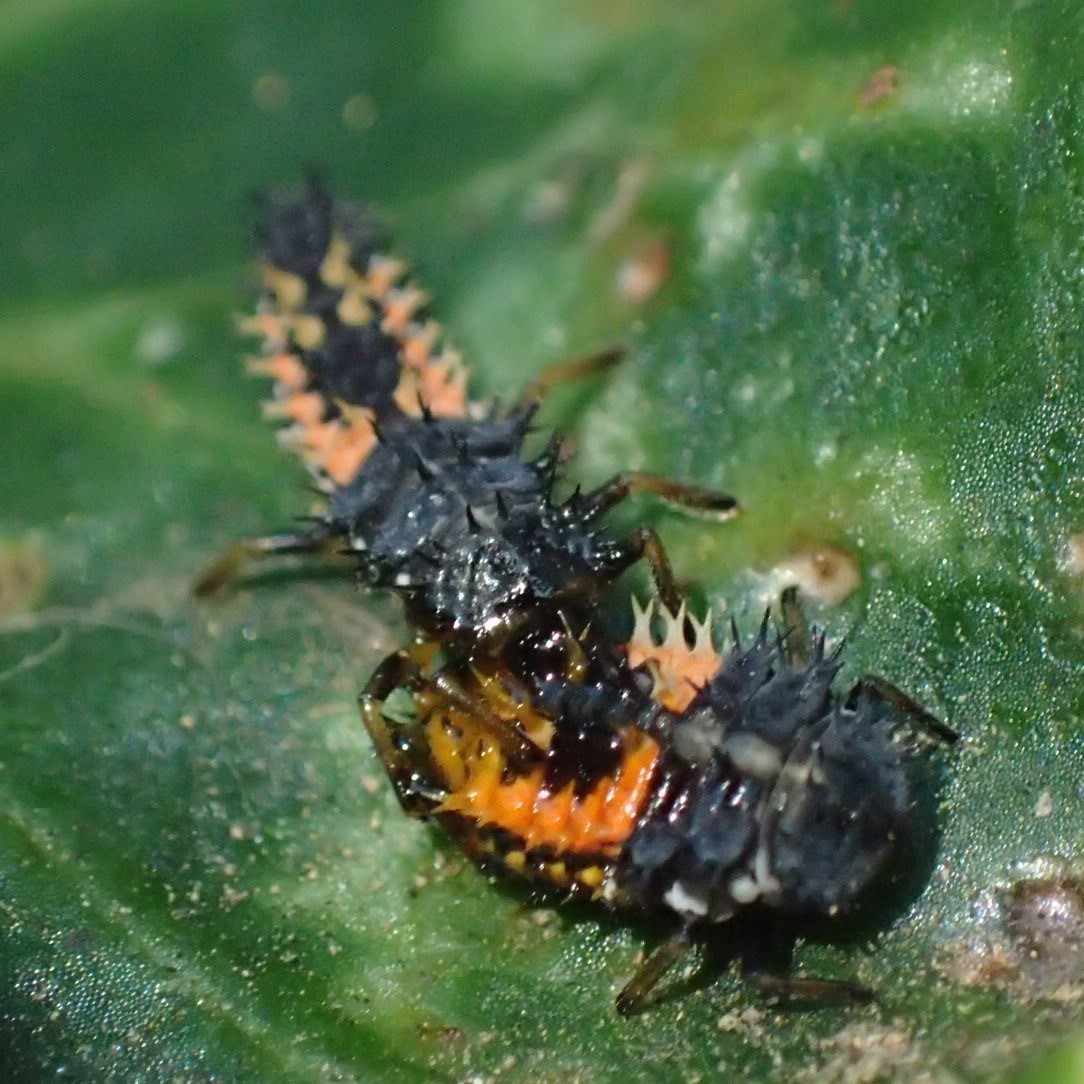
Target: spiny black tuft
x=425, y=472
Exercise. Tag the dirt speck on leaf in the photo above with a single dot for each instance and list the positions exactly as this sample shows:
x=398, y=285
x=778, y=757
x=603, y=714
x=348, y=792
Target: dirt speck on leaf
x=866, y=1053
x=882, y=84
x=1030, y=942
x=23, y=574
x=643, y=271
x=825, y=573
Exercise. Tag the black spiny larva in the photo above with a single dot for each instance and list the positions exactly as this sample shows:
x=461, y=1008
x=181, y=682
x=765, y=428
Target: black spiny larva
x=656, y=776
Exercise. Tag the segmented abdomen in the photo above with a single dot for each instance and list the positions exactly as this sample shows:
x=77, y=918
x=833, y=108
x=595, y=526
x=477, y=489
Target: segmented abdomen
x=556, y=832
x=344, y=335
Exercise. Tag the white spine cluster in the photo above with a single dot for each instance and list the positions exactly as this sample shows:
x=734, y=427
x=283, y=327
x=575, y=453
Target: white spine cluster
x=682, y=660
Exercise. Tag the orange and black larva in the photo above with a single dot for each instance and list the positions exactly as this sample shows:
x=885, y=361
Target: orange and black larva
x=431, y=492
x=654, y=776
x=683, y=781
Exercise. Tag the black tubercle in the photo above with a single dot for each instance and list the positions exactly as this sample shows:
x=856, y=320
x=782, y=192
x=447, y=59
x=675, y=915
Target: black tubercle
x=589, y=722
x=592, y=712
x=359, y=365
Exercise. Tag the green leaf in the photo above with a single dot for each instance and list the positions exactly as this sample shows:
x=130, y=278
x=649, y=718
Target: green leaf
x=865, y=222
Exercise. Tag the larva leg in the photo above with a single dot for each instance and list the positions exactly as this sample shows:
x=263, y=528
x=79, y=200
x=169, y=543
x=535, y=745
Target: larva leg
x=578, y=368
x=396, y=671
x=696, y=500
x=798, y=643
x=404, y=670
x=518, y=749
x=809, y=988
x=645, y=542
x=905, y=705
x=248, y=550
x=651, y=971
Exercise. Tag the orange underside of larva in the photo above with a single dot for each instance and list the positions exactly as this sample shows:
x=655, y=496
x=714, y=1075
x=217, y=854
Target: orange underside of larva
x=480, y=788
x=598, y=822
x=337, y=448
x=678, y=667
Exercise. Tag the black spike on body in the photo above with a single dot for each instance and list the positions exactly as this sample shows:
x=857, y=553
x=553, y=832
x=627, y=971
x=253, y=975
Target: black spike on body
x=425, y=472
x=550, y=456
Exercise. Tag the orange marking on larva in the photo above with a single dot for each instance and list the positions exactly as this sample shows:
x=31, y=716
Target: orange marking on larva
x=335, y=269
x=418, y=343
x=511, y=806
x=442, y=388
x=345, y=459
x=551, y=823
x=337, y=447
x=309, y=331
x=285, y=369
x=382, y=274
x=450, y=401
x=598, y=821
x=304, y=407
x=318, y=439
x=354, y=308
x=445, y=750
x=399, y=309
x=271, y=328
x=289, y=290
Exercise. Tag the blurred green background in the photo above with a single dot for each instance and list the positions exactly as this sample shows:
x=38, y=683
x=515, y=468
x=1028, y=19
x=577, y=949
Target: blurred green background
x=844, y=241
